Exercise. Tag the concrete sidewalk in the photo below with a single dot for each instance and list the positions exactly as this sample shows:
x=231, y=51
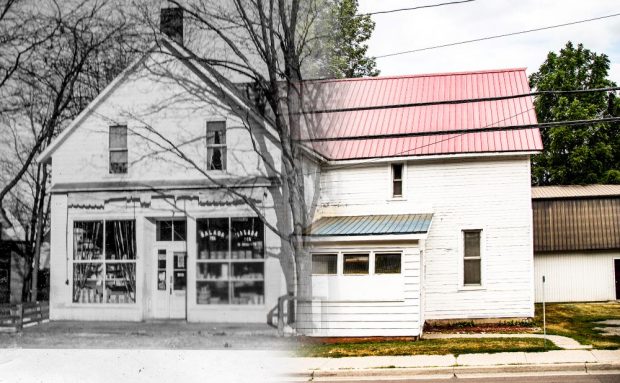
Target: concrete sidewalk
x=450, y=365
x=563, y=342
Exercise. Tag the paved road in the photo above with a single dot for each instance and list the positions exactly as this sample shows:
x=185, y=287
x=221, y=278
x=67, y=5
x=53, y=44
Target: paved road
x=582, y=378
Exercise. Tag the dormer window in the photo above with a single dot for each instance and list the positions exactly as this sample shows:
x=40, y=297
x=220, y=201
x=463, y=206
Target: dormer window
x=397, y=180
x=118, y=149
x=216, y=145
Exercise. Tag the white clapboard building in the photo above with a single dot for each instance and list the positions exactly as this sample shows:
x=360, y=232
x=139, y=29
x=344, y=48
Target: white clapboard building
x=423, y=211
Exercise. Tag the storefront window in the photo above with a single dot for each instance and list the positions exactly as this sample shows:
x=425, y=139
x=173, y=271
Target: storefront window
x=109, y=279
x=230, y=263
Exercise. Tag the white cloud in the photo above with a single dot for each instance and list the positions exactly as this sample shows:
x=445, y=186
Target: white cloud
x=435, y=26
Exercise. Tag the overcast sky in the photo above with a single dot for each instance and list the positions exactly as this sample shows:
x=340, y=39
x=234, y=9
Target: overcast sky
x=436, y=26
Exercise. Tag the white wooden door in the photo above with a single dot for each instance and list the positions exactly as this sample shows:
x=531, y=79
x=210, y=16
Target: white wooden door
x=169, y=297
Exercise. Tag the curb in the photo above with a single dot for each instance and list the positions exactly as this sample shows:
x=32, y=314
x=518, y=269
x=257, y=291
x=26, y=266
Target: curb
x=461, y=370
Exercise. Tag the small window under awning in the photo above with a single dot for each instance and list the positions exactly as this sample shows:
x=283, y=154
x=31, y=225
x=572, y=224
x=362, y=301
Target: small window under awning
x=397, y=224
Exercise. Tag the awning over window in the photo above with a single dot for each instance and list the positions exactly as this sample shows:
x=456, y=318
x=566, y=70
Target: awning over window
x=397, y=224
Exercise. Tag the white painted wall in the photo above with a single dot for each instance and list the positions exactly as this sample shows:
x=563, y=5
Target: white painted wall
x=177, y=109
x=62, y=307
x=491, y=194
x=576, y=276
x=365, y=305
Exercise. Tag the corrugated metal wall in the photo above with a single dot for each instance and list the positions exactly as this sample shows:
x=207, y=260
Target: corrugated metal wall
x=575, y=277
x=576, y=224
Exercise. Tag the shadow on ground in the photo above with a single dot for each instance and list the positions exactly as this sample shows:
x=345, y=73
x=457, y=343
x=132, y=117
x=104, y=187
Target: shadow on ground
x=148, y=335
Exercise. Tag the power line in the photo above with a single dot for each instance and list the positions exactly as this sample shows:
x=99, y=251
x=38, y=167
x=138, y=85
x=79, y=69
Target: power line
x=414, y=8
x=465, y=131
x=497, y=36
x=461, y=101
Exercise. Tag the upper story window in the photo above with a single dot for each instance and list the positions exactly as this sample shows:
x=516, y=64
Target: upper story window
x=397, y=180
x=216, y=145
x=471, y=258
x=118, y=149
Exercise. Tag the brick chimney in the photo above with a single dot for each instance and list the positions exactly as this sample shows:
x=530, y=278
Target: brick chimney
x=171, y=23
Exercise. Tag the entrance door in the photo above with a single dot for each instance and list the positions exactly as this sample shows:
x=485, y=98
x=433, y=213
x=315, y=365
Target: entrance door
x=617, y=270
x=171, y=281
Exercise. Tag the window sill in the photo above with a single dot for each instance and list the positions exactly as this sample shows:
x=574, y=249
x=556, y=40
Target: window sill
x=472, y=288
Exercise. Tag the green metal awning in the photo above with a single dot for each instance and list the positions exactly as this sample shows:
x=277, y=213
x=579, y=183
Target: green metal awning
x=397, y=224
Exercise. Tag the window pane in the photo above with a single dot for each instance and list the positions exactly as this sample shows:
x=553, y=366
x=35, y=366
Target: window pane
x=212, y=292
x=161, y=269
x=387, y=263
x=248, y=293
x=212, y=237
x=180, y=228
x=355, y=264
x=247, y=238
x=164, y=230
x=216, y=133
x=120, y=282
x=120, y=240
x=249, y=271
x=216, y=158
x=213, y=271
x=87, y=240
x=324, y=263
x=398, y=188
x=397, y=170
x=472, y=271
x=118, y=162
x=87, y=283
x=118, y=137
x=472, y=243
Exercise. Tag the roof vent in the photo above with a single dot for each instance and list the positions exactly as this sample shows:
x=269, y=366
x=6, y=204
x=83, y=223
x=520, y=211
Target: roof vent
x=171, y=23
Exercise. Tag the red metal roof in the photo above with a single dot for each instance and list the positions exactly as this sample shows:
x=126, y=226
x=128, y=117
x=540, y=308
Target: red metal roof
x=433, y=120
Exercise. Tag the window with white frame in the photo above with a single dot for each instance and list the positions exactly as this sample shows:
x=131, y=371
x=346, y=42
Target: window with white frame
x=397, y=180
x=324, y=264
x=170, y=230
x=216, y=145
x=104, y=261
x=472, y=275
x=118, y=149
x=357, y=263
x=387, y=263
x=230, y=265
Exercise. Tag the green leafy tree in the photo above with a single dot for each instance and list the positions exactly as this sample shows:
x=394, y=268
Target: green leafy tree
x=576, y=155
x=347, y=41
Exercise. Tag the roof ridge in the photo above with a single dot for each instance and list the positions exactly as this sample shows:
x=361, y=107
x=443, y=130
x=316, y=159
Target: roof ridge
x=438, y=74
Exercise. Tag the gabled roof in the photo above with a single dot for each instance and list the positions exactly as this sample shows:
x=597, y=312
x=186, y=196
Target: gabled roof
x=432, y=122
x=206, y=73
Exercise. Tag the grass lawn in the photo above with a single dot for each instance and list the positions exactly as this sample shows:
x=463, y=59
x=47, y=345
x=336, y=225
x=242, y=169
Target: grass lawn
x=577, y=320
x=428, y=347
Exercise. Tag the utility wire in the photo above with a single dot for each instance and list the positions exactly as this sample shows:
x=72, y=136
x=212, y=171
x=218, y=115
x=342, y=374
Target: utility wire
x=497, y=36
x=461, y=101
x=414, y=8
x=465, y=131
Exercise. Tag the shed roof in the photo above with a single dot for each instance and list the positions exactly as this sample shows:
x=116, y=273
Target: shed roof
x=574, y=191
x=435, y=121
x=371, y=225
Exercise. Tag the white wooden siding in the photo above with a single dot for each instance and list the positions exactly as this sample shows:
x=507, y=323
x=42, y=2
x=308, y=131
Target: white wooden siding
x=576, y=277
x=353, y=315
x=145, y=99
x=492, y=194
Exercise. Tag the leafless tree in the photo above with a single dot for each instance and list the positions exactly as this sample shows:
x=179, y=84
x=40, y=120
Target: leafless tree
x=62, y=61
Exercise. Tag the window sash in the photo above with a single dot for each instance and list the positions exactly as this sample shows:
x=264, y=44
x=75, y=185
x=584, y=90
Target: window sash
x=87, y=296
x=472, y=260
x=385, y=265
x=356, y=264
x=397, y=180
x=216, y=143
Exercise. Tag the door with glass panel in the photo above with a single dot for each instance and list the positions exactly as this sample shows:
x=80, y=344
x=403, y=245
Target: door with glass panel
x=171, y=270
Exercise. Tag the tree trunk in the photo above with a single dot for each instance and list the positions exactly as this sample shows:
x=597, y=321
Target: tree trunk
x=39, y=237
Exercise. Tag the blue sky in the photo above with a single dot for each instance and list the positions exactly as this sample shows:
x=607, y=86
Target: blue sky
x=435, y=26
